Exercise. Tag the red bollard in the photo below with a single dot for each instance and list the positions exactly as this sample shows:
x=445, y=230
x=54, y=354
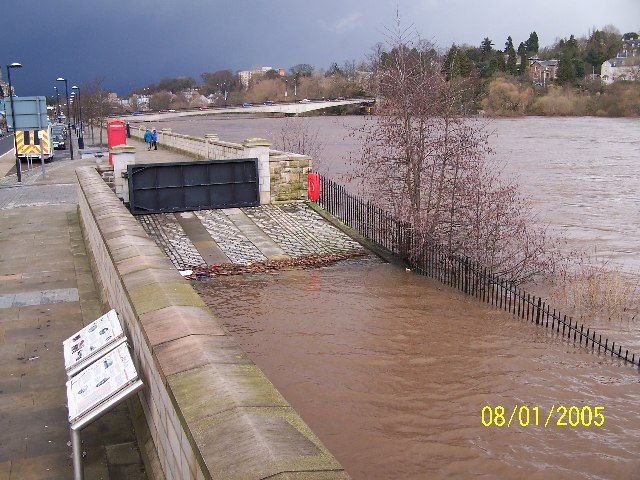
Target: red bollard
x=116, y=135
x=313, y=186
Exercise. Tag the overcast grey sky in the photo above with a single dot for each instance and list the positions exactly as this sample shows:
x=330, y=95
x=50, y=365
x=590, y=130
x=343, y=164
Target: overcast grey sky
x=132, y=43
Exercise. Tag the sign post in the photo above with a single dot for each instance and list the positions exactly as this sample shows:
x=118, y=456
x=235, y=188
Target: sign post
x=101, y=375
x=40, y=136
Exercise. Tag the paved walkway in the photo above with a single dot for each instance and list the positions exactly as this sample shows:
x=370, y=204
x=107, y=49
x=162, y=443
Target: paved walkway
x=47, y=293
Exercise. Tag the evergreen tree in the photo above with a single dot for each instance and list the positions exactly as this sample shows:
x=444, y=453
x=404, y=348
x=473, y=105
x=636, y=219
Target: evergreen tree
x=334, y=69
x=511, y=66
x=497, y=63
x=600, y=47
x=457, y=64
x=532, y=43
x=566, y=69
x=524, y=58
x=486, y=47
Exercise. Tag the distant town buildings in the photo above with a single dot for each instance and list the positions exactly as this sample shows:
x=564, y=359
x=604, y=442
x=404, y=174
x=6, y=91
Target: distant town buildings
x=625, y=66
x=245, y=75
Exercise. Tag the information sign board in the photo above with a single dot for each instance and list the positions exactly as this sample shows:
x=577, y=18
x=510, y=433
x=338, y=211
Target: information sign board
x=30, y=113
x=93, y=340
x=100, y=381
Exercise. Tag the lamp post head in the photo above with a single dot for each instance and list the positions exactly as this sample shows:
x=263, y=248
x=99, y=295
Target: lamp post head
x=60, y=79
x=14, y=65
x=75, y=88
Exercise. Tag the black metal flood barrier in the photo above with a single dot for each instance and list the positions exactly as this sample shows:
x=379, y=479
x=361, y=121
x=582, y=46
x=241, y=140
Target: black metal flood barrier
x=457, y=271
x=201, y=185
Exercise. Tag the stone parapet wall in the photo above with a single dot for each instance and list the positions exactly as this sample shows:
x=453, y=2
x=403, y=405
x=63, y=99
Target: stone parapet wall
x=288, y=173
x=210, y=411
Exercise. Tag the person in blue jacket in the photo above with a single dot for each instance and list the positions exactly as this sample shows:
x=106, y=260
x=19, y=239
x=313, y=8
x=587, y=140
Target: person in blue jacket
x=154, y=139
x=148, y=136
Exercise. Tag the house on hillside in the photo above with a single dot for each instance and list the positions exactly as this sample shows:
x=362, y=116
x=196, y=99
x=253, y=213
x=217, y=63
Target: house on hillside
x=630, y=47
x=541, y=71
x=620, y=68
x=626, y=66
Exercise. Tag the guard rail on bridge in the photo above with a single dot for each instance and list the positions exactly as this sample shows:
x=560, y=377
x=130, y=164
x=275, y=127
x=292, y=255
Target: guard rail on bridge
x=292, y=108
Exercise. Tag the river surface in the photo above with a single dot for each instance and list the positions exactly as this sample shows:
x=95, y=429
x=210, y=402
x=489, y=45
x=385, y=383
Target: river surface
x=392, y=370
x=581, y=173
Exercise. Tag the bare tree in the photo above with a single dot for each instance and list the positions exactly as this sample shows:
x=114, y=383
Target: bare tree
x=160, y=100
x=298, y=136
x=426, y=158
x=96, y=105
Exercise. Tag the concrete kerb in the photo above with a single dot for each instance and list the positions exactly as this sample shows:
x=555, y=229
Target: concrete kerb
x=175, y=356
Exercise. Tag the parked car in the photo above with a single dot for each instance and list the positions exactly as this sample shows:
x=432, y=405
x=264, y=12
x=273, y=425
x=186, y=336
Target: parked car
x=59, y=136
x=247, y=104
x=305, y=100
x=59, y=142
x=204, y=107
x=269, y=102
x=164, y=110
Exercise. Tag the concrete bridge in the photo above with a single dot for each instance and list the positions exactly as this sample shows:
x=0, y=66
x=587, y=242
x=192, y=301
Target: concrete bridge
x=290, y=108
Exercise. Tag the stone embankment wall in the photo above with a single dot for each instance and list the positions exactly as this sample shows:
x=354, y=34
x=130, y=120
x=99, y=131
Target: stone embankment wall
x=211, y=413
x=287, y=171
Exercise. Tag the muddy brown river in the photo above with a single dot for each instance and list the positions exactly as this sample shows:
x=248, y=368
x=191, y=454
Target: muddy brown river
x=402, y=378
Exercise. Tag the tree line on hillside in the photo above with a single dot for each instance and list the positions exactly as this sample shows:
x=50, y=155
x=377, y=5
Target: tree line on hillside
x=499, y=77
x=503, y=84
x=222, y=87
x=498, y=81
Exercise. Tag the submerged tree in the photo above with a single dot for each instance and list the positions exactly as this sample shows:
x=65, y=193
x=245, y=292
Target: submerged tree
x=426, y=159
x=297, y=135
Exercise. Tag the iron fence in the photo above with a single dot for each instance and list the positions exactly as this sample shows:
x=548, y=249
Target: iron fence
x=457, y=271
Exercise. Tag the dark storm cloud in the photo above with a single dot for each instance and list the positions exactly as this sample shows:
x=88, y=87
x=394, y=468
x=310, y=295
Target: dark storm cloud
x=131, y=43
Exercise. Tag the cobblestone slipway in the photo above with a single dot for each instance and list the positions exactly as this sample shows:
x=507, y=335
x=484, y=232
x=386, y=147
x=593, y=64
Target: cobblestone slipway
x=295, y=228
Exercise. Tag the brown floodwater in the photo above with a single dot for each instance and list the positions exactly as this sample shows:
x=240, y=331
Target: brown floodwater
x=392, y=370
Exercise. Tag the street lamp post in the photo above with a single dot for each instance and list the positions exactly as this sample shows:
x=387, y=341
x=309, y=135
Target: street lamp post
x=286, y=82
x=80, y=137
x=57, y=104
x=72, y=98
x=66, y=89
x=224, y=86
x=13, y=119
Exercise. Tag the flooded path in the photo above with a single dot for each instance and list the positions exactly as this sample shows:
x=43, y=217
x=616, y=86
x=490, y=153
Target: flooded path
x=392, y=371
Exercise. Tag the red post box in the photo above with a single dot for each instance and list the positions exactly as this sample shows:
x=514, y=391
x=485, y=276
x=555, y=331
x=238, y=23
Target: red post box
x=313, y=186
x=116, y=135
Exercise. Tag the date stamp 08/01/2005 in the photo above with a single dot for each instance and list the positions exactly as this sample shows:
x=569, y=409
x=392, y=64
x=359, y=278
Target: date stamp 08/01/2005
x=558, y=416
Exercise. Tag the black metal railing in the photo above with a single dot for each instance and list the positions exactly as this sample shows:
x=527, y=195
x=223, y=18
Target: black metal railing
x=458, y=271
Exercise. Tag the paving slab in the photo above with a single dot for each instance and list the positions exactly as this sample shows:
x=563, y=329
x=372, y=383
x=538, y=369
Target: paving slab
x=46, y=294
x=202, y=241
x=255, y=235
